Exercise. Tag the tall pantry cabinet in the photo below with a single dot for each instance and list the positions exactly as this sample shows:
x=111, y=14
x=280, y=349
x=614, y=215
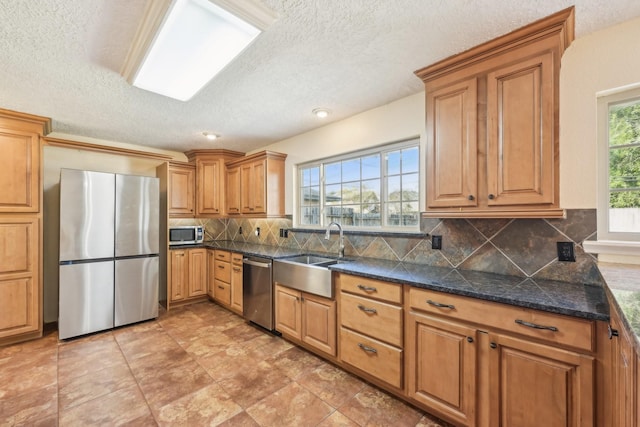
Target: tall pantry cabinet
x=21, y=225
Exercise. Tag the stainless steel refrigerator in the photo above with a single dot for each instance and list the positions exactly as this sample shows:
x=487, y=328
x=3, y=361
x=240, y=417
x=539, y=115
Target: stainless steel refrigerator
x=109, y=251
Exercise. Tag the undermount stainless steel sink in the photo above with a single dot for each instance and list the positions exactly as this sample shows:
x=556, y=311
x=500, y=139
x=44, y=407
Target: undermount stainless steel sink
x=307, y=273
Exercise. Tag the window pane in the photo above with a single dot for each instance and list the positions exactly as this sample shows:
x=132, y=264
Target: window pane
x=624, y=167
x=305, y=177
x=332, y=194
x=371, y=167
x=351, y=192
x=371, y=215
x=371, y=191
x=624, y=219
x=351, y=215
x=393, y=188
x=410, y=160
x=624, y=123
x=310, y=216
x=351, y=170
x=393, y=163
x=394, y=211
x=410, y=214
x=309, y=196
x=410, y=187
x=314, y=176
x=332, y=173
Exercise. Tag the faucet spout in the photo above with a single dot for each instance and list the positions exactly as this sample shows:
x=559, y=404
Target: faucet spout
x=328, y=235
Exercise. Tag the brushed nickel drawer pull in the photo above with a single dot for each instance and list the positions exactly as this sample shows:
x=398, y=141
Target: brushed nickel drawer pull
x=439, y=304
x=367, y=288
x=367, y=310
x=367, y=348
x=534, y=326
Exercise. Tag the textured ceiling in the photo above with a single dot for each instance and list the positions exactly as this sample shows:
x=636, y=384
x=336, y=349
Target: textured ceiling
x=61, y=59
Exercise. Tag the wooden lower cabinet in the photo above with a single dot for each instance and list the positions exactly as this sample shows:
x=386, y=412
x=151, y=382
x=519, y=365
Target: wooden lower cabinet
x=306, y=318
x=535, y=385
x=236, y=283
x=188, y=274
x=623, y=374
x=442, y=366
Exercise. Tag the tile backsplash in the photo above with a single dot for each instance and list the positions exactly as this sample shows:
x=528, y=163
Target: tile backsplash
x=521, y=247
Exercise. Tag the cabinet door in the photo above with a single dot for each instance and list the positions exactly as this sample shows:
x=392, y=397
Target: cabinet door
x=521, y=145
x=19, y=276
x=452, y=145
x=233, y=191
x=288, y=316
x=441, y=366
x=246, y=192
x=223, y=293
x=259, y=186
x=197, y=272
x=624, y=397
x=236, y=285
x=535, y=385
x=319, y=323
x=181, y=191
x=19, y=171
x=211, y=271
x=179, y=274
x=210, y=186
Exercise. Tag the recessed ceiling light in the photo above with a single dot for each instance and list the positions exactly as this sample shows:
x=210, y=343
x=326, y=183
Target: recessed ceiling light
x=211, y=136
x=182, y=44
x=321, y=112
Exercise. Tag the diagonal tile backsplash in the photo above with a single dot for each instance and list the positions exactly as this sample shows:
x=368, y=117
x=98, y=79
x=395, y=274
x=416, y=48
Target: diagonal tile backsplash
x=517, y=247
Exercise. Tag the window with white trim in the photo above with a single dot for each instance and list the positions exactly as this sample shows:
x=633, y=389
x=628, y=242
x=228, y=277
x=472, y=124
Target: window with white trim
x=370, y=189
x=619, y=166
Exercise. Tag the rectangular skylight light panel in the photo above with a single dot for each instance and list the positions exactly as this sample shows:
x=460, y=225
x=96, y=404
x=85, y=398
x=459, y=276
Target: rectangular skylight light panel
x=196, y=41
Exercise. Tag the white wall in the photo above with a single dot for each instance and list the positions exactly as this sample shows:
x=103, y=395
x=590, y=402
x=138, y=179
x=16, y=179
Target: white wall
x=600, y=61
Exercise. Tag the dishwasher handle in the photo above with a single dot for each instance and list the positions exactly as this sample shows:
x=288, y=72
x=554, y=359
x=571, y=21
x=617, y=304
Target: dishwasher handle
x=256, y=263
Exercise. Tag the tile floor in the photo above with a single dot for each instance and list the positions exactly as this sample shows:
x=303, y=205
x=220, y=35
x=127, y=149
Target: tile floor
x=196, y=365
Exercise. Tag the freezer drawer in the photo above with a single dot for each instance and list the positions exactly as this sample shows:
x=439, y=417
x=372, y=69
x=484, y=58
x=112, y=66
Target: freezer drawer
x=86, y=298
x=136, y=290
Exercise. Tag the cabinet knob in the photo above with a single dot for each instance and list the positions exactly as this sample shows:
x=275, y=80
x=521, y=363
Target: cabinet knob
x=491, y=197
x=469, y=339
x=471, y=197
x=612, y=332
x=493, y=345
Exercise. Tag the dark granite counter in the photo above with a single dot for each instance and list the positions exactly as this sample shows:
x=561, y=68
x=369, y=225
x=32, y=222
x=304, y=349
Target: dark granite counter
x=623, y=286
x=573, y=299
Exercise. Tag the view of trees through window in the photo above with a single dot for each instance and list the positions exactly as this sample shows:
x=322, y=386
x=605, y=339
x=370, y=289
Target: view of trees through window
x=624, y=167
x=379, y=189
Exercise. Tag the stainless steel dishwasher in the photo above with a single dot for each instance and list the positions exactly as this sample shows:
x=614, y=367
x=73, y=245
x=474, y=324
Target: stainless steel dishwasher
x=257, y=291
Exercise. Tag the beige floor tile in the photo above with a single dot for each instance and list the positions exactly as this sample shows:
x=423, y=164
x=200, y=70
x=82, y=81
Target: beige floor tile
x=208, y=406
x=119, y=407
x=252, y=383
x=337, y=419
x=86, y=355
x=295, y=362
x=372, y=407
x=78, y=390
x=241, y=420
x=31, y=406
x=28, y=371
x=292, y=405
x=331, y=384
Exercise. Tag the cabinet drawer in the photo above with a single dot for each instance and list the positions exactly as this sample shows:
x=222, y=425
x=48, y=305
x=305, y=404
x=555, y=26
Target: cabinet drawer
x=223, y=271
x=370, y=287
x=377, y=319
x=570, y=331
x=236, y=259
x=223, y=256
x=372, y=356
x=222, y=292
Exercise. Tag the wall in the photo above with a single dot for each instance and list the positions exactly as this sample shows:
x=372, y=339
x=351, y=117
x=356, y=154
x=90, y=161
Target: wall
x=56, y=158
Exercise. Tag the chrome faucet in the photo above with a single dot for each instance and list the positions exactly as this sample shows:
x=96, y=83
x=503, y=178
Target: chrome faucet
x=328, y=235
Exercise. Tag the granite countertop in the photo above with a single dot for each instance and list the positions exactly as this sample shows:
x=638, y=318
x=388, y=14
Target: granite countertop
x=623, y=285
x=573, y=299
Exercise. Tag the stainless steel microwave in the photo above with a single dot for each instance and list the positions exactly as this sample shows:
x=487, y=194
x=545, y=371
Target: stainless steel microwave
x=186, y=235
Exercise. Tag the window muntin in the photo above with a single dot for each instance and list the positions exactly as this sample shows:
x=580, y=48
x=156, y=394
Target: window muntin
x=372, y=189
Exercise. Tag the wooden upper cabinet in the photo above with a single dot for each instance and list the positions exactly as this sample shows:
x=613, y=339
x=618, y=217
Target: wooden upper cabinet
x=210, y=180
x=451, y=145
x=260, y=191
x=233, y=190
x=181, y=198
x=492, y=116
x=20, y=161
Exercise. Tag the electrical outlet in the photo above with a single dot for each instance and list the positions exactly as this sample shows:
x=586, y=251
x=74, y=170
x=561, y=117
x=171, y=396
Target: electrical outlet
x=257, y=231
x=239, y=230
x=566, y=252
x=436, y=242
x=284, y=233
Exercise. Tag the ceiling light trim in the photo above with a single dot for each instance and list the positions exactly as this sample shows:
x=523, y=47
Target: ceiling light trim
x=251, y=11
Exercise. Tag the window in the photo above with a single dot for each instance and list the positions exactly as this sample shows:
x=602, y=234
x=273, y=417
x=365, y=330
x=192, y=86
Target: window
x=619, y=161
x=375, y=189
